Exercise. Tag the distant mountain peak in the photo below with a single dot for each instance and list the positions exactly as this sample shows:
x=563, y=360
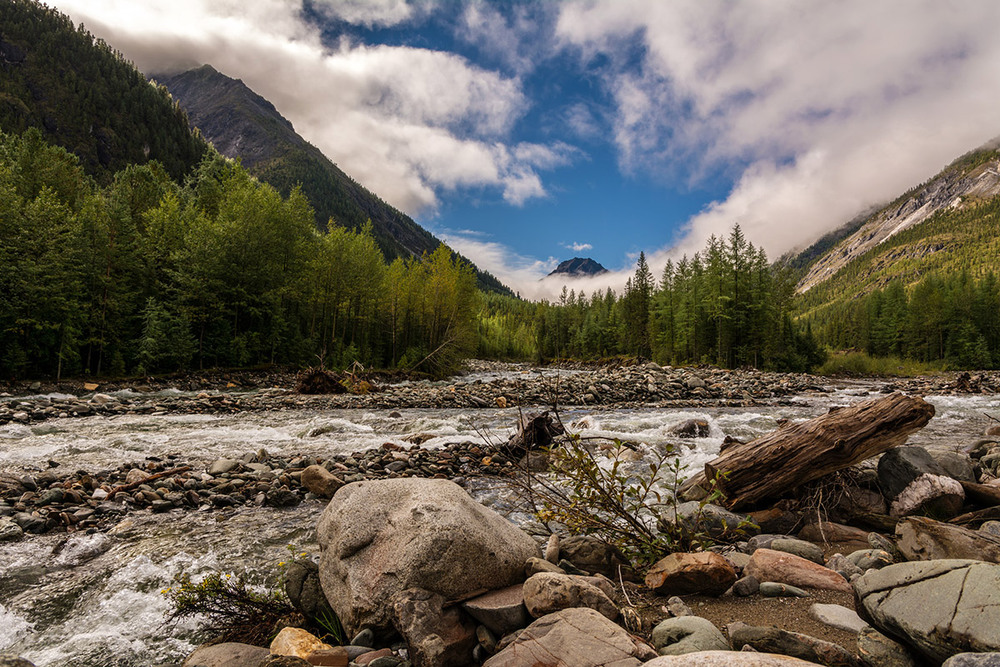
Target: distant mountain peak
x=579, y=266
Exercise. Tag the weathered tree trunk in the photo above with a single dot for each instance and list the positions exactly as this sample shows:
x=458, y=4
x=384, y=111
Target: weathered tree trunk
x=798, y=453
x=534, y=431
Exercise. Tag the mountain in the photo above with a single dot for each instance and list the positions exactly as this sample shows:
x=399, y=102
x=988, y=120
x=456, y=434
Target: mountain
x=86, y=97
x=242, y=124
x=579, y=266
x=946, y=222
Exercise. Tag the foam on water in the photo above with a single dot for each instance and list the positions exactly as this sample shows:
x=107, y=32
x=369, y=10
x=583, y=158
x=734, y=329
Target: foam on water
x=13, y=628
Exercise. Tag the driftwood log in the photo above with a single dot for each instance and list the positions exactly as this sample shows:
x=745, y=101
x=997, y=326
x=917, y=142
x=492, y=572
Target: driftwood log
x=534, y=431
x=798, y=453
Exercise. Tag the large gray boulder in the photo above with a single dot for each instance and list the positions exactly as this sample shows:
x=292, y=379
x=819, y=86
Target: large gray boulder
x=914, y=482
x=920, y=538
x=381, y=537
x=939, y=607
x=579, y=637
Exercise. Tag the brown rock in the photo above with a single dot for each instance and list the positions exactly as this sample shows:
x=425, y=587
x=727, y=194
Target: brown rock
x=920, y=538
x=785, y=568
x=547, y=592
x=365, y=658
x=331, y=657
x=229, y=654
x=828, y=531
x=502, y=611
x=435, y=636
x=683, y=573
x=321, y=481
x=783, y=642
x=594, y=555
x=578, y=637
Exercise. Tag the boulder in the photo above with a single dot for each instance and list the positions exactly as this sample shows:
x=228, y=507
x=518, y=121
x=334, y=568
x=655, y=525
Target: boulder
x=501, y=611
x=939, y=607
x=381, y=537
x=229, y=654
x=296, y=642
x=687, y=634
x=770, y=565
x=547, y=592
x=837, y=616
x=578, y=637
x=320, y=481
x=727, y=659
x=868, y=559
x=806, y=550
x=594, y=555
x=920, y=538
x=968, y=660
x=691, y=428
x=682, y=573
x=877, y=650
x=435, y=636
x=691, y=518
x=828, y=531
x=794, y=644
x=302, y=586
x=914, y=482
x=10, y=531
x=957, y=465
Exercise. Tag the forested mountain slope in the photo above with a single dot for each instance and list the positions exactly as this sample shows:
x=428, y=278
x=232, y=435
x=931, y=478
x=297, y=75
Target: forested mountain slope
x=84, y=96
x=242, y=124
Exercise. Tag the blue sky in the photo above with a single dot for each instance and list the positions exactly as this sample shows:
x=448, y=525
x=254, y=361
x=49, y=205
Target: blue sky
x=524, y=133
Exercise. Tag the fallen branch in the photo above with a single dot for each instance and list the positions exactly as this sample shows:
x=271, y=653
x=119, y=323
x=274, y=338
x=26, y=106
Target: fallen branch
x=159, y=475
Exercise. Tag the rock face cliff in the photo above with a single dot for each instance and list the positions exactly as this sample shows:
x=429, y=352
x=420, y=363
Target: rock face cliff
x=579, y=266
x=966, y=182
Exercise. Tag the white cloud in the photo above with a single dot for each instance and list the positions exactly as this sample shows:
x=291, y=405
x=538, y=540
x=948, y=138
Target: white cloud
x=818, y=109
x=578, y=247
x=405, y=122
x=518, y=39
x=520, y=273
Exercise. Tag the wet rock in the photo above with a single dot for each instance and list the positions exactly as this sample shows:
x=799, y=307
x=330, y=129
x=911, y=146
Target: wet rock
x=502, y=611
x=594, y=555
x=691, y=428
x=920, y=538
x=229, y=654
x=692, y=517
x=687, y=634
x=794, y=644
x=320, y=481
x=877, y=650
x=545, y=593
x=769, y=565
x=940, y=607
x=10, y=531
x=837, y=616
x=578, y=637
x=682, y=573
x=435, y=636
x=379, y=538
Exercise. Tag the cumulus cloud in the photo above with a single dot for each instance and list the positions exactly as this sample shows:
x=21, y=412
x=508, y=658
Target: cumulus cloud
x=518, y=38
x=521, y=273
x=406, y=122
x=578, y=247
x=816, y=110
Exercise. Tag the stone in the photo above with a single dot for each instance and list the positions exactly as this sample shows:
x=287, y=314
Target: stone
x=728, y=659
x=304, y=591
x=868, y=559
x=770, y=565
x=579, y=637
x=828, y=531
x=920, y=538
x=877, y=650
x=965, y=660
x=222, y=466
x=939, y=607
x=990, y=528
x=552, y=549
x=773, y=589
x=687, y=634
x=877, y=541
x=762, y=541
x=914, y=482
x=839, y=564
x=806, y=550
x=502, y=611
x=677, y=608
x=957, y=465
x=381, y=537
x=229, y=654
x=594, y=556
x=682, y=573
x=135, y=476
x=794, y=644
x=364, y=638
x=535, y=565
x=692, y=517
x=371, y=656
x=776, y=520
x=547, y=592
x=320, y=481
x=746, y=586
x=283, y=661
x=296, y=642
x=13, y=661
x=10, y=531
x=435, y=636
x=737, y=558
x=691, y=428
x=837, y=616
x=336, y=656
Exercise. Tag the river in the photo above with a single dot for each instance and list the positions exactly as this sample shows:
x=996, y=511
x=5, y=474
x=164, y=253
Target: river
x=89, y=600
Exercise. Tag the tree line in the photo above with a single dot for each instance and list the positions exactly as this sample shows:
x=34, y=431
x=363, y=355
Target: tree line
x=146, y=275
x=725, y=305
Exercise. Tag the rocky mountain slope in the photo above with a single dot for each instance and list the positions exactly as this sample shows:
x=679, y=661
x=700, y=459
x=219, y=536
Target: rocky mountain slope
x=579, y=266
x=242, y=124
x=956, y=194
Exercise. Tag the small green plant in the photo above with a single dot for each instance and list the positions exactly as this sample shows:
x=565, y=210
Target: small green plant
x=232, y=606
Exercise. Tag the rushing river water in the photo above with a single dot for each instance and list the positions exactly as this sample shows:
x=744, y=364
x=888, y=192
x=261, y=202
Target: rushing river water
x=90, y=600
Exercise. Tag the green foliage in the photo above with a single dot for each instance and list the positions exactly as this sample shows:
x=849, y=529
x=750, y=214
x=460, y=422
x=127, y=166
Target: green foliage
x=231, y=607
x=860, y=364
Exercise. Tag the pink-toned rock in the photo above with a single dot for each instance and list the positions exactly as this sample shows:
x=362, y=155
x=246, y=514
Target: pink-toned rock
x=365, y=658
x=786, y=568
x=336, y=656
x=435, y=636
x=547, y=592
x=682, y=573
x=320, y=481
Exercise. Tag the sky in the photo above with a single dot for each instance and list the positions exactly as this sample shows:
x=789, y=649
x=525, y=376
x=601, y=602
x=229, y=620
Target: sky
x=527, y=132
